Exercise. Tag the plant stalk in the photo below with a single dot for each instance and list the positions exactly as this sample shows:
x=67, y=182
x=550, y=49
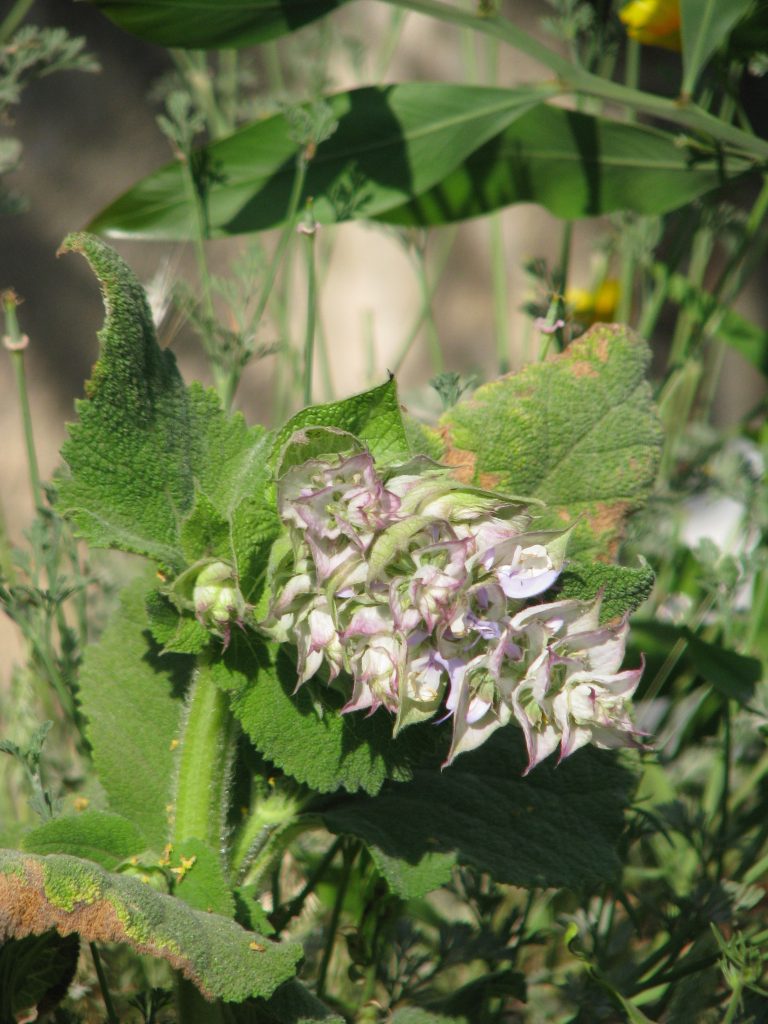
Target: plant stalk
x=206, y=753
x=349, y=853
x=500, y=293
x=16, y=343
x=112, y=1017
x=309, y=231
x=681, y=112
x=14, y=18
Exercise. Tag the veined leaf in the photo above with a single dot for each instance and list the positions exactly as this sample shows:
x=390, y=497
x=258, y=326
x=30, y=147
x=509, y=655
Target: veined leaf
x=374, y=417
x=223, y=960
x=558, y=826
x=36, y=972
x=145, y=445
x=99, y=836
x=197, y=24
x=131, y=697
x=305, y=735
x=622, y=588
x=575, y=165
x=578, y=431
x=704, y=27
x=392, y=143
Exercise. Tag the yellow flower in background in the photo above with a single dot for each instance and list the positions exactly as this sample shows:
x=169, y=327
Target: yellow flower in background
x=653, y=22
x=594, y=307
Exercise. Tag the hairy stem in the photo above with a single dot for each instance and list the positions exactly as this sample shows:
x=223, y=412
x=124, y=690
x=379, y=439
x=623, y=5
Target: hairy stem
x=206, y=754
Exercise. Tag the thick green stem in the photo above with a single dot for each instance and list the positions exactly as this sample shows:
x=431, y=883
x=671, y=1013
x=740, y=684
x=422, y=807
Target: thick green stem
x=207, y=747
x=206, y=754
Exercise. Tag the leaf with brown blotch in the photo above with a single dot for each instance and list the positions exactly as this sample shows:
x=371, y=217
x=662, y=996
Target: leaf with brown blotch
x=70, y=895
x=578, y=431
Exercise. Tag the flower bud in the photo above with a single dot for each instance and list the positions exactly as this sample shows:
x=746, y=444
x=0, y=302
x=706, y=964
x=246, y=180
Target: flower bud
x=217, y=598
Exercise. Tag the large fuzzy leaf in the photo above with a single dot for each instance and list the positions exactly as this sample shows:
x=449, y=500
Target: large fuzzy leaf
x=575, y=165
x=132, y=699
x=373, y=416
x=392, y=143
x=292, y=1003
x=104, y=838
x=223, y=960
x=144, y=444
x=558, y=826
x=305, y=735
x=578, y=431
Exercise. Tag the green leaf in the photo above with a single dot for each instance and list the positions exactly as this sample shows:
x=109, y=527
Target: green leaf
x=304, y=734
x=726, y=325
x=130, y=475
x=203, y=885
x=505, y=983
x=176, y=634
x=578, y=431
x=145, y=445
x=704, y=27
x=36, y=972
x=623, y=589
x=99, y=836
x=213, y=24
x=733, y=675
x=392, y=143
x=558, y=826
x=575, y=165
x=414, y=1015
x=373, y=417
x=292, y=1003
x=131, y=697
x=213, y=952
x=413, y=879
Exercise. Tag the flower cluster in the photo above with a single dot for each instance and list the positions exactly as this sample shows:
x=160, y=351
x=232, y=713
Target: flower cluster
x=423, y=590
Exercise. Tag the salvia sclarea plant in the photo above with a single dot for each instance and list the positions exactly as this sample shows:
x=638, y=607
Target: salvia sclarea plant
x=345, y=618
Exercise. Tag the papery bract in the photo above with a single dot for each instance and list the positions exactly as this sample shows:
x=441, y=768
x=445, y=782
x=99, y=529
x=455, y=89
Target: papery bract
x=421, y=590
